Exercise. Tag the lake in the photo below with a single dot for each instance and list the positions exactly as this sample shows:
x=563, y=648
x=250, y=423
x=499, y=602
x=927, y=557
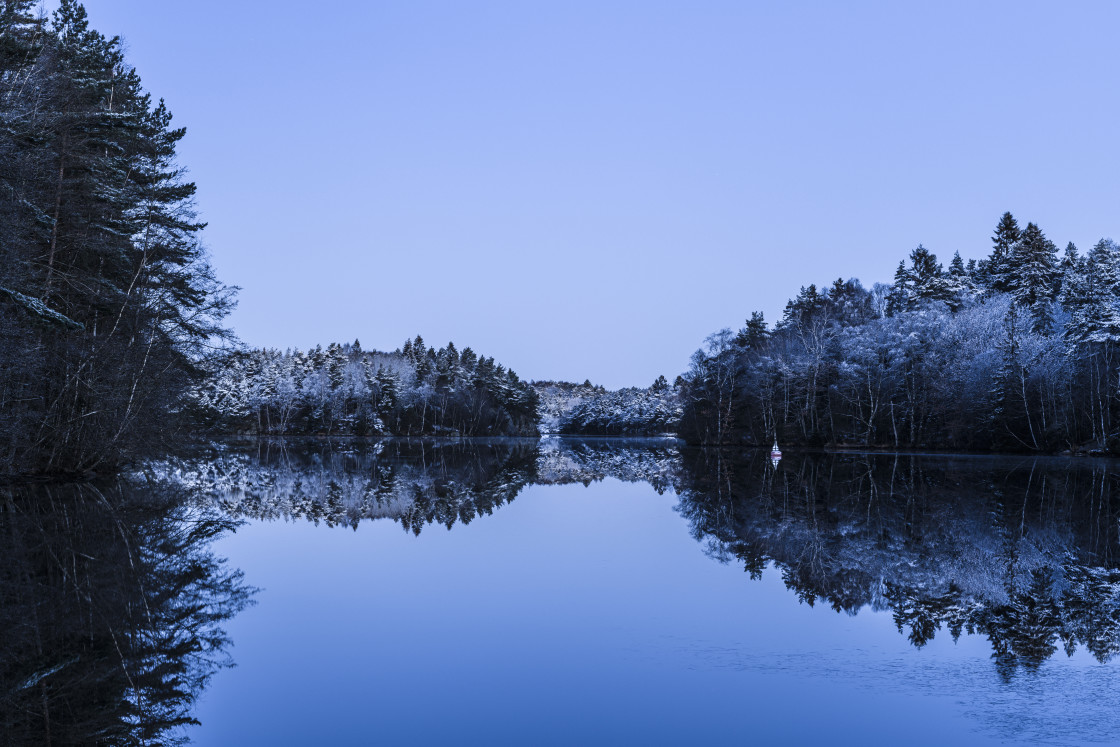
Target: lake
x=564, y=591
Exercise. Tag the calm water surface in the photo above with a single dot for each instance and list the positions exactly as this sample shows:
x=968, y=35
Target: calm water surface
x=597, y=592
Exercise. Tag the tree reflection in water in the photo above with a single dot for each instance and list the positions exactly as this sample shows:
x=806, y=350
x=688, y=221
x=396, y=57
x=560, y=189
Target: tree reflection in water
x=111, y=605
x=415, y=482
x=1020, y=550
x=412, y=481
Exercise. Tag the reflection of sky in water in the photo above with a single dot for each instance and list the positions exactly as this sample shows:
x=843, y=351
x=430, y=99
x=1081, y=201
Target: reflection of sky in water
x=589, y=615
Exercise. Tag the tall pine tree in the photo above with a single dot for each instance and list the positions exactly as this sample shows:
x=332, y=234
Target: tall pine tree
x=1033, y=276
x=996, y=270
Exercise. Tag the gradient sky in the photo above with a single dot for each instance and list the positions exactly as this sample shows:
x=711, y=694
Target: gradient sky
x=587, y=189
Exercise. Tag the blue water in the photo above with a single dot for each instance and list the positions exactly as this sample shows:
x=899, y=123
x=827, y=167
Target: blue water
x=590, y=615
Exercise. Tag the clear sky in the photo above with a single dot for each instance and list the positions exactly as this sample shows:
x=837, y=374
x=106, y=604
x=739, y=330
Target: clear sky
x=587, y=189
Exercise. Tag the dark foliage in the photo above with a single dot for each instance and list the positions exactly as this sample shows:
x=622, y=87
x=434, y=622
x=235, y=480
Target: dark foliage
x=111, y=606
x=1009, y=551
x=106, y=297
x=1018, y=353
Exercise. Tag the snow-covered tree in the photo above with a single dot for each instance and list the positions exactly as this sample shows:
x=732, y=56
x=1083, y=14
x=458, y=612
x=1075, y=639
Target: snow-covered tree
x=1033, y=277
x=995, y=272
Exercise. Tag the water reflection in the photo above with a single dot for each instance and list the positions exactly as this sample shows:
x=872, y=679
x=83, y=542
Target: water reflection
x=1021, y=551
x=112, y=603
x=111, y=606
x=415, y=482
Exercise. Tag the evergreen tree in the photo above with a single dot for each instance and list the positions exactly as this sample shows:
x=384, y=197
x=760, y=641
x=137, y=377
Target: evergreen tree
x=1072, y=272
x=753, y=332
x=1033, y=275
x=956, y=266
x=104, y=275
x=923, y=282
x=468, y=359
x=1096, y=317
x=997, y=269
x=388, y=393
x=335, y=362
x=928, y=278
x=900, y=296
x=807, y=306
x=849, y=303
x=959, y=282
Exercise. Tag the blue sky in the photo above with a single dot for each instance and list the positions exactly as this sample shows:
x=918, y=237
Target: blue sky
x=587, y=189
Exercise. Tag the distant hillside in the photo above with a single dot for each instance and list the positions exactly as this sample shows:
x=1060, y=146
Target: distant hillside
x=585, y=409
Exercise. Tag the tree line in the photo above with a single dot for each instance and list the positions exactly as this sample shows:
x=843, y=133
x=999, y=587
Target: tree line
x=107, y=299
x=1017, y=351
x=585, y=409
x=110, y=311
x=344, y=390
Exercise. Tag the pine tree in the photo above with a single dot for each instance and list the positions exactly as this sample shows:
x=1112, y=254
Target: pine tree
x=923, y=282
x=997, y=269
x=103, y=266
x=956, y=266
x=334, y=362
x=959, y=282
x=753, y=332
x=900, y=297
x=1072, y=270
x=424, y=363
x=1096, y=317
x=799, y=311
x=1033, y=275
x=849, y=303
x=388, y=393
x=928, y=278
x=468, y=360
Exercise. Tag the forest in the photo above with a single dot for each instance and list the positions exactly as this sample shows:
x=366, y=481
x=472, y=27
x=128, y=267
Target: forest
x=108, y=301
x=345, y=391
x=1014, y=352
x=114, y=343
x=586, y=409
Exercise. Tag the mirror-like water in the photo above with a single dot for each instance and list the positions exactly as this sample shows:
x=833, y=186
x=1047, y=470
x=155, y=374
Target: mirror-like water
x=601, y=591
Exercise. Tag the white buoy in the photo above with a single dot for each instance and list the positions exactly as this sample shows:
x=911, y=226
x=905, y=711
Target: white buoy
x=775, y=454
